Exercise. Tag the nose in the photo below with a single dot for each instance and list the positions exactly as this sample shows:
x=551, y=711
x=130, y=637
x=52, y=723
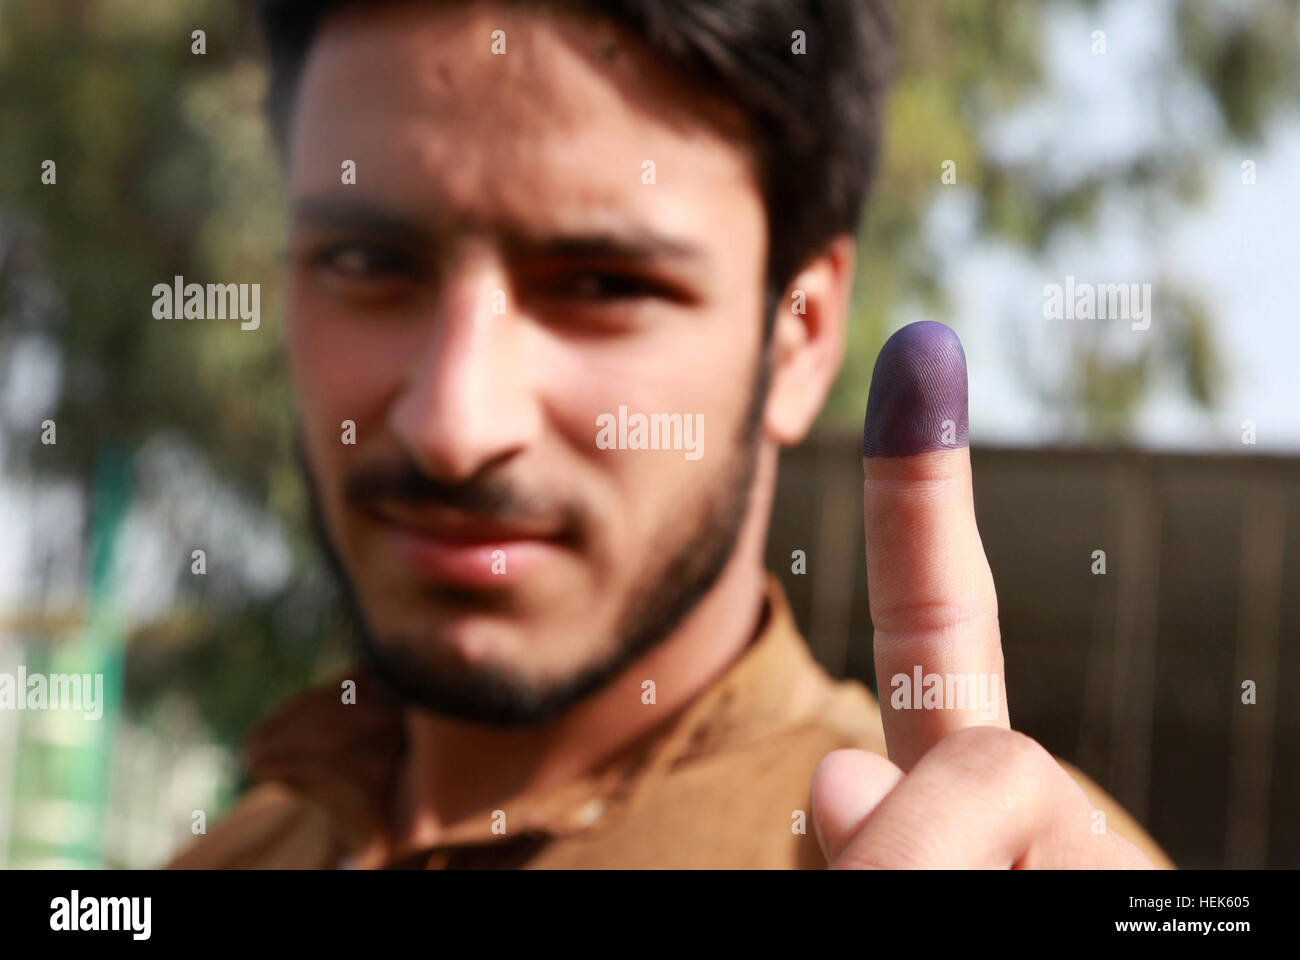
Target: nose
x=468, y=401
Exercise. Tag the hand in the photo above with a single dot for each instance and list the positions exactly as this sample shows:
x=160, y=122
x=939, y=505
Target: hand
x=960, y=787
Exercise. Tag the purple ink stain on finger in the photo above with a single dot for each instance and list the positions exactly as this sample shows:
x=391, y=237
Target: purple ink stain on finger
x=917, y=401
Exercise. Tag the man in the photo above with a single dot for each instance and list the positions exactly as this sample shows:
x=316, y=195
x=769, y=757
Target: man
x=562, y=280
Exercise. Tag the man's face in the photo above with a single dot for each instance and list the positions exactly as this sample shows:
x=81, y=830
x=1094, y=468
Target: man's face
x=533, y=240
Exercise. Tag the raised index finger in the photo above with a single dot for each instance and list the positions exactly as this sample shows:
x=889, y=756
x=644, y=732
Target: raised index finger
x=938, y=650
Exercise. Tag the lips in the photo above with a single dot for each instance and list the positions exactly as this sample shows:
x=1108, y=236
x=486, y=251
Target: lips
x=462, y=549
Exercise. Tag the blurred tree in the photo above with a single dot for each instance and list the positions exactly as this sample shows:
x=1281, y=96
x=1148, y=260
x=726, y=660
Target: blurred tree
x=163, y=168
x=964, y=64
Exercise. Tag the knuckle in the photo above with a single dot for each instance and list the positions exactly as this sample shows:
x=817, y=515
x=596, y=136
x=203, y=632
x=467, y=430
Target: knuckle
x=906, y=624
x=1016, y=755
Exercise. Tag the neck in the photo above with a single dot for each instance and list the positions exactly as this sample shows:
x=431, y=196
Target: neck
x=492, y=765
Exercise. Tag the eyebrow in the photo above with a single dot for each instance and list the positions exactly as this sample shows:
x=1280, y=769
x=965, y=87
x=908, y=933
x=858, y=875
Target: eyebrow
x=621, y=242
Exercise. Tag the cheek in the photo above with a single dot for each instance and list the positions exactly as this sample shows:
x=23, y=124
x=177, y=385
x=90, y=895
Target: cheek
x=343, y=369
x=341, y=372
x=700, y=367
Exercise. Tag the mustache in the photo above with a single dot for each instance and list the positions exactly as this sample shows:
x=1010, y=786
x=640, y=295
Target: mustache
x=403, y=481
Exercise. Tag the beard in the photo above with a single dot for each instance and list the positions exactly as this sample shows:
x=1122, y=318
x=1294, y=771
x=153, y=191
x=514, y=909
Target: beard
x=416, y=673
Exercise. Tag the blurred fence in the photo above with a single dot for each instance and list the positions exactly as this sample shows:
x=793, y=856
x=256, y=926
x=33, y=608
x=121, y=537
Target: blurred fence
x=1136, y=675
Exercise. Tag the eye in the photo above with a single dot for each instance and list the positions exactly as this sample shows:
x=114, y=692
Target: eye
x=356, y=260
x=603, y=285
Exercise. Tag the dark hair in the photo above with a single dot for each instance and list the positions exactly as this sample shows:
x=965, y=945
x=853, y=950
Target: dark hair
x=815, y=116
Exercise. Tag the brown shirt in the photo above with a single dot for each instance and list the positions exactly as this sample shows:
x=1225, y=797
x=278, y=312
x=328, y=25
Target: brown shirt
x=724, y=783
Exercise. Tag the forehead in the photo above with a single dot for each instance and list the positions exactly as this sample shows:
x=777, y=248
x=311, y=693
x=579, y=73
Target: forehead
x=563, y=125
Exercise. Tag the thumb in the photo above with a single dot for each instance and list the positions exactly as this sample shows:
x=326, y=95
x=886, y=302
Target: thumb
x=847, y=786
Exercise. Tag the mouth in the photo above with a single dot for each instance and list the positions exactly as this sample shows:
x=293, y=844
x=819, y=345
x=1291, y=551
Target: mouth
x=466, y=550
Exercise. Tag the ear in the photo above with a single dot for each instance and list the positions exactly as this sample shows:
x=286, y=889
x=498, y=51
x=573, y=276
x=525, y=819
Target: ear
x=808, y=341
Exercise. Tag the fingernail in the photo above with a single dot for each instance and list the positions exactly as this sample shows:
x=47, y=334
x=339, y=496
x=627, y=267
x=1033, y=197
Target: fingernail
x=917, y=401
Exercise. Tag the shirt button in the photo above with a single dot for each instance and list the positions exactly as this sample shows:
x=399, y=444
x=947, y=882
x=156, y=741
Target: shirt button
x=592, y=811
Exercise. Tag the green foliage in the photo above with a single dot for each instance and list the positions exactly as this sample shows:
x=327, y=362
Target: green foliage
x=161, y=171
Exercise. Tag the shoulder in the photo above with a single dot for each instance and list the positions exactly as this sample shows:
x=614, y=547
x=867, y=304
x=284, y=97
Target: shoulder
x=271, y=827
